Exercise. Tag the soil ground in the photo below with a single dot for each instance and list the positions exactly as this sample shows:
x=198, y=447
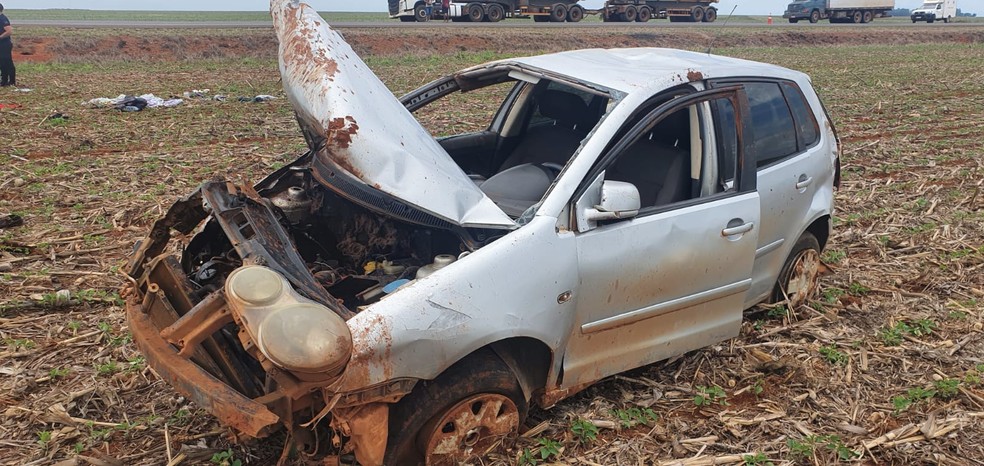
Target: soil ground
x=884, y=367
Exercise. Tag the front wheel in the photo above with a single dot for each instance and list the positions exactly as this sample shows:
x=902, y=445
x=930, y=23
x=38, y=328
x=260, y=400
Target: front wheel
x=457, y=416
x=799, y=278
x=814, y=16
x=420, y=14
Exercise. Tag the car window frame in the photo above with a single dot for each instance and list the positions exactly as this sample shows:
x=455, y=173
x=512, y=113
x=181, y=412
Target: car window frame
x=801, y=147
x=745, y=181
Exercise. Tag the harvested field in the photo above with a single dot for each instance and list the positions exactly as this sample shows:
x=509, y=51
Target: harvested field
x=884, y=367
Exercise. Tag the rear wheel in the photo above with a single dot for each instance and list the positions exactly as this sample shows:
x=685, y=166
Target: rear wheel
x=496, y=13
x=645, y=14
x=857, y=17
x=576, y=14
x=558, y=13
x=697, y=14
x=458, y=415
x=475, y=13
x=630, y=14
x=710, y=15
x=867, y=17
x=799, y=279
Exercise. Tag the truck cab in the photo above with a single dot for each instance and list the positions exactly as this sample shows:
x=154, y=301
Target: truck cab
x=812, y=10
x=932, y=11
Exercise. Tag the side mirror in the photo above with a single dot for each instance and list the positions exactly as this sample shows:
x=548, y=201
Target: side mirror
x=619, y=200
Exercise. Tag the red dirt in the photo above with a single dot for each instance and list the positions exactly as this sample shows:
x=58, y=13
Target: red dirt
x=389, y=42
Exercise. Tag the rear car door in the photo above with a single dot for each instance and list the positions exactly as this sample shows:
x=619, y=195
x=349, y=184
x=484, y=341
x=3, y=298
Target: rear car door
x=790, y=165
x=673, y=278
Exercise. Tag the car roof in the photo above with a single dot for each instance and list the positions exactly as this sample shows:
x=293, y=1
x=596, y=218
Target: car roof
x=633, y=70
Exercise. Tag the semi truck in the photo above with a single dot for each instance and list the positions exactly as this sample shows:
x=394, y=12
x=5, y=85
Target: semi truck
x=557, y=10
x=838, y=11
x=933, y=10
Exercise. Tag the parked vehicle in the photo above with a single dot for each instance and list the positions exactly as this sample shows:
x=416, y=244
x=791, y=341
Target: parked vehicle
x=931, y=11
x=695, y=11
x=558, y=11
x=412, y=297
x=838, y=11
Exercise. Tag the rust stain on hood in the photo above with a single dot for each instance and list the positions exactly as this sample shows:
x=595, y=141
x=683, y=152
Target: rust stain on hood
x=353, y=120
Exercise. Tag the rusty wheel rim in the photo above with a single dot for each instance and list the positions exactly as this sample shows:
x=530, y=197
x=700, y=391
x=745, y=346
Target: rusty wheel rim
x=469, y=428
x=802, y=283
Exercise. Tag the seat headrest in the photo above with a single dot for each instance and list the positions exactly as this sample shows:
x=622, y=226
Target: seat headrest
x=563, y=106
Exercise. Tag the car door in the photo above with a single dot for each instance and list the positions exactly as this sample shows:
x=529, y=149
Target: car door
x=672, y=278
x=791, y=169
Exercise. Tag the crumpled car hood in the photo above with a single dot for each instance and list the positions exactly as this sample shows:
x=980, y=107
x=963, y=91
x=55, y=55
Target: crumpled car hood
x=351, y=118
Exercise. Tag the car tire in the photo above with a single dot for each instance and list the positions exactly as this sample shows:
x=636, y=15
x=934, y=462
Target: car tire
x=576, y=14
x=815, y=17
x=630, y=14
x=475, y=13
x=697, y=14
x=710, y=15
x=856, y=17
x=450, y=408
x=867, y=17
x=558, y=13
x=420, y=14
x=496, y=13
x=799, y=277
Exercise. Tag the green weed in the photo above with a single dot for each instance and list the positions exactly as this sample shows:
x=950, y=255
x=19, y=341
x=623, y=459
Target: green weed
x=584, y=431
x=708, y=395
x=833, y=356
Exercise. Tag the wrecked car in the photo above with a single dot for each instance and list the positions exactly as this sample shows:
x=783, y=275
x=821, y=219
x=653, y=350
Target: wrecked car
x=406, y=299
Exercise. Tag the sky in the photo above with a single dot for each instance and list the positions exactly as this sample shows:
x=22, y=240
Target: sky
x=745, y=7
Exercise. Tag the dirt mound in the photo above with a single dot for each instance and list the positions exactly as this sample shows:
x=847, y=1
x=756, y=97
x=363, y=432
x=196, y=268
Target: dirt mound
x=400, y=42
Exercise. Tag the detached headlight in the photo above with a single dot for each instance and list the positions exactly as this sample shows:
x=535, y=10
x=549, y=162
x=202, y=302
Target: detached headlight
x=292, y=331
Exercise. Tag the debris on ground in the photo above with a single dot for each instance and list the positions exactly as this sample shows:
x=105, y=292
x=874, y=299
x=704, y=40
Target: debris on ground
x=11, y=220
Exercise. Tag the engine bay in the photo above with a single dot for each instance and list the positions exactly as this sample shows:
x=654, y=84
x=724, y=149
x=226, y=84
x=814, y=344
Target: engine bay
x=358, y=256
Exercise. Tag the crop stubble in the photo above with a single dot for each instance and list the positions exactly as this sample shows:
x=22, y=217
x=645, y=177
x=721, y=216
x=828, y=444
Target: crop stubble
x=900, y=310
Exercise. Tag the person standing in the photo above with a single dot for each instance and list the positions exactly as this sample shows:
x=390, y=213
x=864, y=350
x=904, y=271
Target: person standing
x=8, y=74
x=446, y=9
x=429, y=9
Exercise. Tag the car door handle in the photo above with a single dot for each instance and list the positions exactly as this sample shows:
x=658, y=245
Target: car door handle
x=804, y=182
x=738, y=230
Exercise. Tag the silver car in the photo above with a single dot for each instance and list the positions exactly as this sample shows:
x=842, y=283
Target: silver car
x=417, y=295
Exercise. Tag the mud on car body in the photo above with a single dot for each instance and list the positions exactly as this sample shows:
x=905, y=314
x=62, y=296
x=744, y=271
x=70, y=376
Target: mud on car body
x=413, y=296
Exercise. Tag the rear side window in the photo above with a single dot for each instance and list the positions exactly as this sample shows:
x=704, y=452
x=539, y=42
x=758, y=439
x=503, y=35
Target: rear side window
x=809, y=131
x=773, y=125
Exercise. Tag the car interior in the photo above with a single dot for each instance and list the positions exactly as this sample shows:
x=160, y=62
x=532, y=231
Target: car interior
x=540, y=127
